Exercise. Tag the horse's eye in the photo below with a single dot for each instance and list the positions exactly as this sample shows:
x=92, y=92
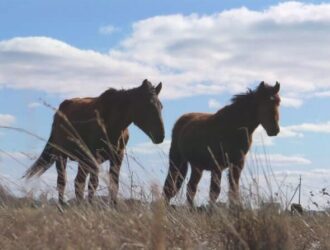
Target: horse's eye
x=272, y=98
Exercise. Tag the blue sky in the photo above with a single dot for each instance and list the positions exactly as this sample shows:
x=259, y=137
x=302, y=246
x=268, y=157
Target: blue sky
x=202, y=51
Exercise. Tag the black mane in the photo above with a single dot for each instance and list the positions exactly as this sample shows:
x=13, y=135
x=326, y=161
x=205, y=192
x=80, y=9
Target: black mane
x=244, y=99
x=146, y=87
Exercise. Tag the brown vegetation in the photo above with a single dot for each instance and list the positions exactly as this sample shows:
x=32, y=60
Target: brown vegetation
x=137, y=225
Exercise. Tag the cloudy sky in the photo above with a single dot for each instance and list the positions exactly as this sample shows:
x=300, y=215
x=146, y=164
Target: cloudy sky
x=202, y=51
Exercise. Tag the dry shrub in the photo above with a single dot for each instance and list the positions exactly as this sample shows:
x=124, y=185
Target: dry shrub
x=153, y=226
x=5, y=196
x=258, y=230
x=157, y=232
x=135, y=224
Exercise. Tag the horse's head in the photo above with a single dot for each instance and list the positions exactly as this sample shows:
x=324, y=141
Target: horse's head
x=147, y=111
x=268, y=107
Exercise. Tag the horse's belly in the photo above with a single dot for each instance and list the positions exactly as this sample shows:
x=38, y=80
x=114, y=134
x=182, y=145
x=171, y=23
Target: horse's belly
x=211, y=152
x=206, y=159
x=77, y=150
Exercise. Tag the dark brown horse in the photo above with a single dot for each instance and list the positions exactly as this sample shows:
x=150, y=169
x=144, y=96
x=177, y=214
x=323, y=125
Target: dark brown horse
x=93, y=130
x=216, y=141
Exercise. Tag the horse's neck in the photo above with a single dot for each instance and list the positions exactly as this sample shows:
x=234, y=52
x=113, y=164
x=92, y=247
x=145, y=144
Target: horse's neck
x=234, y=117
x=116, y=114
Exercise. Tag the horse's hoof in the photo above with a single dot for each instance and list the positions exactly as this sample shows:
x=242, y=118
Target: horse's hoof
x=113, y=204
x=62, y=205
x=174, y=207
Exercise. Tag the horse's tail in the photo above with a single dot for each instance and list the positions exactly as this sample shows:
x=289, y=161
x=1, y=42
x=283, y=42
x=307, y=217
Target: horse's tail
x=43, y=163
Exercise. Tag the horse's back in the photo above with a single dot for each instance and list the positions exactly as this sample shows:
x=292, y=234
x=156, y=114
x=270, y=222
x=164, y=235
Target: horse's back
x=189, y=120
x=78, y=108
x=75, y=118
x=190, y=134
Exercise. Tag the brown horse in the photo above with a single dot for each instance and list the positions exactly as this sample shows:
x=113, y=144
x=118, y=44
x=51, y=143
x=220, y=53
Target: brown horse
x=93, y=130
x=216, y=141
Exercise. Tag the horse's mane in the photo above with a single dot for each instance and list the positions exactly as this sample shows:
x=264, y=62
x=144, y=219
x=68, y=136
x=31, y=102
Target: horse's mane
x=115, y=93
x=250, y=96
x=244, y=99
x=109, y=92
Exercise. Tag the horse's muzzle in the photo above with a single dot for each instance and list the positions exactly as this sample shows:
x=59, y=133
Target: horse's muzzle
x=158, y=139
x=273, y=132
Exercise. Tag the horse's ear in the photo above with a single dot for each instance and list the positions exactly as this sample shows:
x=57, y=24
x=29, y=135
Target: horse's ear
x=276, y=87
x=261, y=88
x=159, y=88
x=145, y=82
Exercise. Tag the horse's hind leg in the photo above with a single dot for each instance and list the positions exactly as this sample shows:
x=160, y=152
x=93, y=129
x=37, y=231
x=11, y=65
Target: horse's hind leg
x=176, y=174
x=93, y=182
x=195, y=177
x=215, y=185
x=80, y=181
x=61, y=177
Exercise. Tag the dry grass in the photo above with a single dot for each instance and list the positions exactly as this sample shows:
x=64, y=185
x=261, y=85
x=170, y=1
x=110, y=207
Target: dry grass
x=26, y=224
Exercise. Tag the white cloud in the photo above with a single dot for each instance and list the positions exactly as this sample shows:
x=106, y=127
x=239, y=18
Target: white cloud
x=299, y=129
x=239, y=46
x=288, y=132
x=192, y=55
x=260, y=138
x=148, y=148
x=281, y=160
x=53, y=66
x=312, y=127
x=214, y=104
x=107, y=30
x=322, y=94
x=291, y=102
x=33, y=105
x=7, y=120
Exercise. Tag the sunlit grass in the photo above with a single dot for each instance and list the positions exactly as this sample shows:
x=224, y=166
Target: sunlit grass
x=138, y=224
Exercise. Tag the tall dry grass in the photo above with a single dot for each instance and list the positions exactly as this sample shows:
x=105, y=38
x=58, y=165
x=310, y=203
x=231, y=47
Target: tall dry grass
x=27, y=224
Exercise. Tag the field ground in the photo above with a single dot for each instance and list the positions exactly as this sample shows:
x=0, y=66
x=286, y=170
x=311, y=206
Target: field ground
x=26, y=224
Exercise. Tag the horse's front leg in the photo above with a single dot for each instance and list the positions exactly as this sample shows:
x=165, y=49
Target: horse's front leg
x=80, y=181
x=115, y=165
x=93, y=182
x=215, y=186
x=235, y=170
x=195, y=177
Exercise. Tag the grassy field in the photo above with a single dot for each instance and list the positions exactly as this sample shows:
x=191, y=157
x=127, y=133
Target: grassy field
x=26, y=224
